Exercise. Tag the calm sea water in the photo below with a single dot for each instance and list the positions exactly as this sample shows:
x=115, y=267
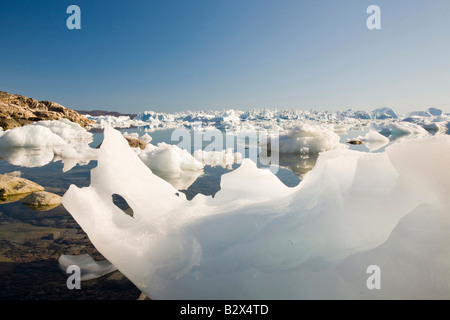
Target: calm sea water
x=48, y=172
x=51, y=176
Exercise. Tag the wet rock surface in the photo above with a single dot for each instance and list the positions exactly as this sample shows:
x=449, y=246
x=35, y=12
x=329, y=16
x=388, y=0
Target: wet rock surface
x=11, y=185
x=29, y=252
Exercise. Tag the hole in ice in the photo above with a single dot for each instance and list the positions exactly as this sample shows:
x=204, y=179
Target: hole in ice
x=122, y=204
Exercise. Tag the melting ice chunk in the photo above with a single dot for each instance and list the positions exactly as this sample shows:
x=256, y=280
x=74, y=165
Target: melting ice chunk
x=90, y=269
x=258, y=239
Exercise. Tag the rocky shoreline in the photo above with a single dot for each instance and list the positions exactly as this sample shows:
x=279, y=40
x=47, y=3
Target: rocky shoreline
x=17, y=111
x=31, y=243
x=35, y=228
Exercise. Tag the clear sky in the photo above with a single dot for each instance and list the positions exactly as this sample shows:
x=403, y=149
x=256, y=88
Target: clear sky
x=173, y=55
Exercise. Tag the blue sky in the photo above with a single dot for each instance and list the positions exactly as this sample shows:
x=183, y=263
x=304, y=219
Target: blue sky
x=173, y=55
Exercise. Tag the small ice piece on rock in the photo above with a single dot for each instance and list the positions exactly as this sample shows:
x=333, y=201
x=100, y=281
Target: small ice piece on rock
x=90, y=269
x=146, y=138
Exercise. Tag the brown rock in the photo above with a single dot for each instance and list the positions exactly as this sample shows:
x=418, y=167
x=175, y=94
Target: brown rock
x=355, y=142
x=136, y=143
x=11, y=185
x=42, y=199
x=17, y=111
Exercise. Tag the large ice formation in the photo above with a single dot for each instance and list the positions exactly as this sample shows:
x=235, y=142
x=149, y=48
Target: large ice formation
x=258, y=239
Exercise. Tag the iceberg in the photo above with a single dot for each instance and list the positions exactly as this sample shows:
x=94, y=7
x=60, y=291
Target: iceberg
x=70, y=132
x=398, y=131
x=31, y=136
x=384, y=113
x=42, y=142
x=167, y=158
x=305, y=138
x=258, y=239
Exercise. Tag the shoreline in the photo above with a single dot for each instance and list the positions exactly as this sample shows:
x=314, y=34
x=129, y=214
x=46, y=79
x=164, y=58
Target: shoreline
x=29, y=268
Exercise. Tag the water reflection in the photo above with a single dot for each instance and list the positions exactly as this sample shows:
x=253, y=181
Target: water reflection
x=299, y=164
x=40, y=157
x=28, y=157
x=180, y=181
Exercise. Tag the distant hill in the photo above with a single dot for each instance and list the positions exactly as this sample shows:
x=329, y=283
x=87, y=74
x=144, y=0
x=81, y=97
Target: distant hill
x=17, y=111
x=97, y=113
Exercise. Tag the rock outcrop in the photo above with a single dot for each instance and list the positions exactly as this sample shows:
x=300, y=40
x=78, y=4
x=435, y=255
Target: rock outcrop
x=136, y=143
x=355, y=141
x=42, y=199
x=11, y=185
x=16, y=111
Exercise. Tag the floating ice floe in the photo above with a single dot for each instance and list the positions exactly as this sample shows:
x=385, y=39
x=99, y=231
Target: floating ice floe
x=146, y=138
x=31, y=136
x=169, y=159
x=305, y=139
x=374, y=140
x=258, y=239
x=39, y=143
x=402, y=130
x=70, y=132
x=116, y=122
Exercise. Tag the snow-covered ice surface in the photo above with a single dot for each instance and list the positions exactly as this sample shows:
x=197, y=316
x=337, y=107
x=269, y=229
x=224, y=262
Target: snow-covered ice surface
x=258, y=239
